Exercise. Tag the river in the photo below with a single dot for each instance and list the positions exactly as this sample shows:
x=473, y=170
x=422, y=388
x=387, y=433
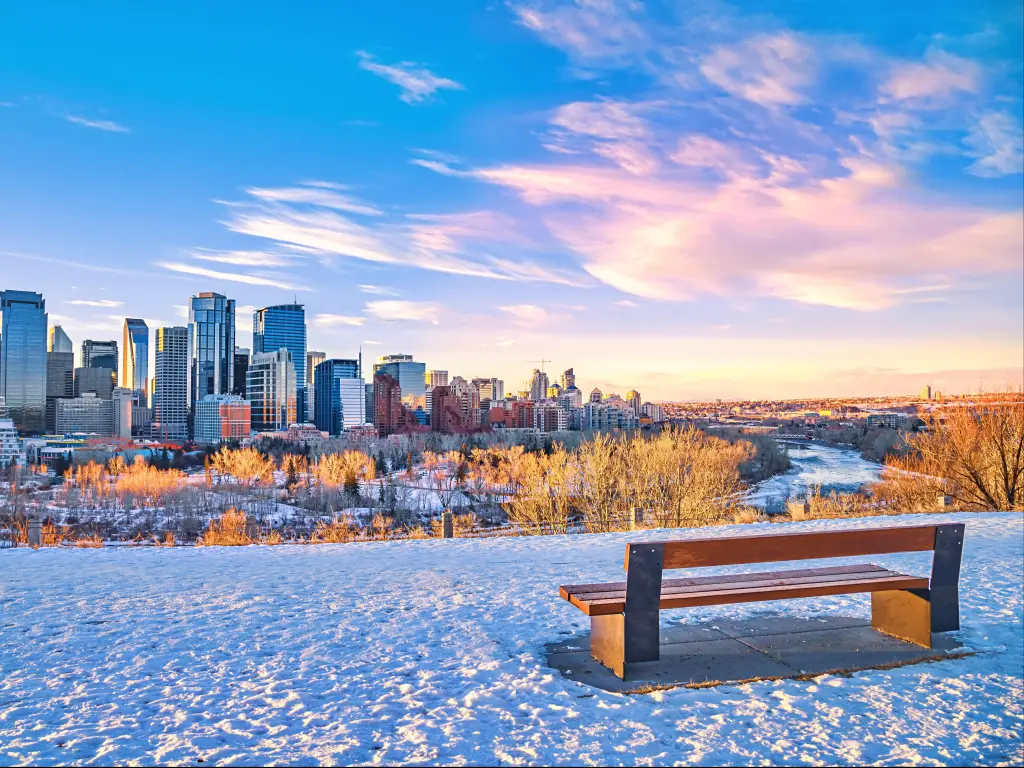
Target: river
x=833, y=469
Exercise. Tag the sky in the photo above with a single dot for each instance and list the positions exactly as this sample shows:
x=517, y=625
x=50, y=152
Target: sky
x=695, y=200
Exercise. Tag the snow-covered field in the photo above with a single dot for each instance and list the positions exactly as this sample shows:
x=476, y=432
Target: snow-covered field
x=432, y=652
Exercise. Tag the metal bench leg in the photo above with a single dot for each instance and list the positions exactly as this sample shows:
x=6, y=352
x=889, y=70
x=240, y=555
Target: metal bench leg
x=945, y=591
x=626, y=638
x=903, y=613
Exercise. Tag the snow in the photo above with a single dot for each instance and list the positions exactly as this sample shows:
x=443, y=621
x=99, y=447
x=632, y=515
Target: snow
x=832, y=469
x=433, y=652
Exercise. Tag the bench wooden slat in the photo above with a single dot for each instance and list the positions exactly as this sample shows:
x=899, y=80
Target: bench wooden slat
x=620, y=586
x=773, y=548
x=760, y=593
x=743, y=581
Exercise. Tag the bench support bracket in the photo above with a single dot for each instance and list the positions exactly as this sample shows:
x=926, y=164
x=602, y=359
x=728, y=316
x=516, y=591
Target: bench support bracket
x=945, y=592
x=903, y=613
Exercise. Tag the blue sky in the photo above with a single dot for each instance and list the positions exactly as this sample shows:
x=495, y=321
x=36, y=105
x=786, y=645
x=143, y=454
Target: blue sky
x=692, y=199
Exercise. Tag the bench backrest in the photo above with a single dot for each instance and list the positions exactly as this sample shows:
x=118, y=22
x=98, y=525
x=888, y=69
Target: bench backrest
x=773, y=548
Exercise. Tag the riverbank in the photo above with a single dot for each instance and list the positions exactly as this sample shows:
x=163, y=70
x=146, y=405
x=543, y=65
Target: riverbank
x=814, y=465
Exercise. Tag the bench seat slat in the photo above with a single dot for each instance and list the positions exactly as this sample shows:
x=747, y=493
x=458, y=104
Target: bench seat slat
x=751, y=587
x=620, y=586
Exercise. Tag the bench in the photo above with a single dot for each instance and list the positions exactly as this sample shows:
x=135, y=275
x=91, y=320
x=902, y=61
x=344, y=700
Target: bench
x=624, y=616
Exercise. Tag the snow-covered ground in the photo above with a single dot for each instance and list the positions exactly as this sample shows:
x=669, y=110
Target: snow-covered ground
x=832, y=469
x=433, y=652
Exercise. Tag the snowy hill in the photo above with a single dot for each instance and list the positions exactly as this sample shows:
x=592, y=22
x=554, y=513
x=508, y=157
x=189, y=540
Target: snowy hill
x=432, y=651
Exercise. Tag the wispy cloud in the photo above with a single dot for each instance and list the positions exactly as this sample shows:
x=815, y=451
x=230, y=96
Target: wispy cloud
x=234, y=277
x=933, y=81
x=418, y=311
x=373, y=343
x=244, y=258
x=770, y=70
x=332, y=321
x=378, y=290
x=997, y=143
x=100, y=125
x=472, y=243
x=417, y=82
x=590, y=31
x=316, y=193
x=106, y=303
x=626, y=303
x=532, y=316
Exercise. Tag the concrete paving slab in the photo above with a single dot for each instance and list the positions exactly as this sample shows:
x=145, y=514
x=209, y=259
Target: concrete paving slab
x=852, y=648
x=741, y=651
x=693, y=663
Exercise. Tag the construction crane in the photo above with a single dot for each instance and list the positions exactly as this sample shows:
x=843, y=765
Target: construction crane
x=541, y=361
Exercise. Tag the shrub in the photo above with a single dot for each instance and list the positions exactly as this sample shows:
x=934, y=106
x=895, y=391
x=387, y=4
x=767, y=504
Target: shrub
x=226, y=531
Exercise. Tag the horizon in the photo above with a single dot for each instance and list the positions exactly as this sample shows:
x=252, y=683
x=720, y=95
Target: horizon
x=700, y=205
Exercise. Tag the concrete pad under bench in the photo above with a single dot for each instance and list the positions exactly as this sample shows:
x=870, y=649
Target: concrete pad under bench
x=730, y=652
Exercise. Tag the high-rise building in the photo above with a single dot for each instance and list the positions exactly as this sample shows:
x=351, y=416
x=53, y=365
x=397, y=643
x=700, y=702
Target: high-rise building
x=271, y=391
x=241, y=370
x=121, y=414
x=410, y=375
x=99, y=354
x=340, y=397
x=98, y=381
x=211, y=323
x=490, y=389
x=171, y=383
x=568, y=379
x=59, y=341
x=538, y=385
x=435, y=379
x=387, y=403
x=926, y=393
x=595, y=395
x=23, y=358
x=634, y=401
x=60, y=381
x=283, y=326
x=446, y=415
x=468, y=397
x=135, y=363
x=313, y=359
x=220, y=418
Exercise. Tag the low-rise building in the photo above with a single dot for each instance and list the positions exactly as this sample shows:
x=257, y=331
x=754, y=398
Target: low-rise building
x=88, y=414
x=11, y=450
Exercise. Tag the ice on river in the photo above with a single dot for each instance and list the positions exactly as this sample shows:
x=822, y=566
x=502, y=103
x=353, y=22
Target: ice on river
x=833, y=469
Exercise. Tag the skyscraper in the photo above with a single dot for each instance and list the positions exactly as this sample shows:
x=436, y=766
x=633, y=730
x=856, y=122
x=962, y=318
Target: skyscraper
x=135, y=365
x=270, y=388
x=99, y=354
x=340, y=397
x=241, y=371
x=60, y=382
x=436, y=379
x=23, y=358
x=59, y=341
x=634, y=401
x=283, y=326
x=538, y=385
x=98, y=381
x=313, y=359
x=211, y=327
x=410, y=375
x=171, y=383
x=387, y=403
x=568, y=378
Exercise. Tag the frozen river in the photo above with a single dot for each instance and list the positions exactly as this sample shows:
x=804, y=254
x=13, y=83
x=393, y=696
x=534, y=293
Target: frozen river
x=833, y=469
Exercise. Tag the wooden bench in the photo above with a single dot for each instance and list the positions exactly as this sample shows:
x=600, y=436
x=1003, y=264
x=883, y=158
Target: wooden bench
x=624, y=616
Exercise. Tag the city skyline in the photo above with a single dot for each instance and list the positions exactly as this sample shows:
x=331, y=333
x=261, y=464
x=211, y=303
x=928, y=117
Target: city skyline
x=785, y=203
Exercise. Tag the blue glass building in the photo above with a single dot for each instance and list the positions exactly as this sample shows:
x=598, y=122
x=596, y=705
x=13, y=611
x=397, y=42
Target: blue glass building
x=211, y=331
x=411, y=376
x=339, y=400
x=284, y=327
x=23, y=358
x=135, y=366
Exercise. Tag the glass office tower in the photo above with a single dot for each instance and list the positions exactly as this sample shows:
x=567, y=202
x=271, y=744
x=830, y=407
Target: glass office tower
x=135, y=366
x=283, y=327
x=59, y=341
x=211, y=331
x=171, y=383
x=99, y=354
x=340, y=399
x=411, y=375
x=23, y=358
